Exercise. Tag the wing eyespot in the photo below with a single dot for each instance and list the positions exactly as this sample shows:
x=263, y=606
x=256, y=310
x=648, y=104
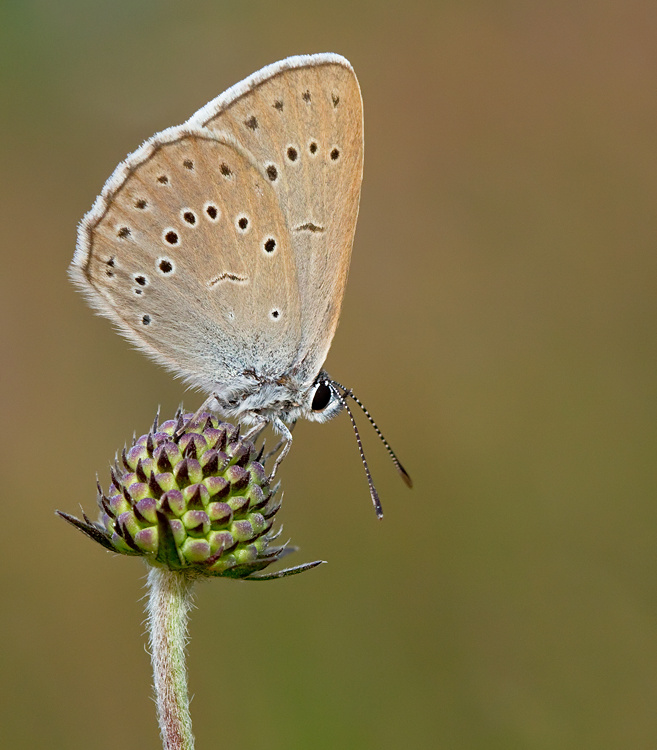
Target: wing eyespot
x=269, y=245
x=165, y=266
x=212, y=212
x=171, y=237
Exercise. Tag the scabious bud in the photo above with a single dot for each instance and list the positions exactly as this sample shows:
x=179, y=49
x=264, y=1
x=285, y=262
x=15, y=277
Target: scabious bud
x=192, y=496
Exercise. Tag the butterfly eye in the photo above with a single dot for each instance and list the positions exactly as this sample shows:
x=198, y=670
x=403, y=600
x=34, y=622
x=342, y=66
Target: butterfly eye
x=322, y=397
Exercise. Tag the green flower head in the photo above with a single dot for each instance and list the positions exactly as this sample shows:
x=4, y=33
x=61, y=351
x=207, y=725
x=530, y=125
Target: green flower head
x=191, y=496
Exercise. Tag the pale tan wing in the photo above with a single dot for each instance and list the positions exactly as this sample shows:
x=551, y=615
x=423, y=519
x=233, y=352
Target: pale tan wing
x=187, y=250
x=302, y=121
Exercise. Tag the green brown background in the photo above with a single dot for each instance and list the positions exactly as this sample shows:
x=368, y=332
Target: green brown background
x=499, y=322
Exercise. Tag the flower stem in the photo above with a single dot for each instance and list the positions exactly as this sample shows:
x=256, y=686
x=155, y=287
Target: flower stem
x=170, y=598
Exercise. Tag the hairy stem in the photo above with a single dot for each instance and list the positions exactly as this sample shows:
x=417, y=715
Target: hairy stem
x=170, y=597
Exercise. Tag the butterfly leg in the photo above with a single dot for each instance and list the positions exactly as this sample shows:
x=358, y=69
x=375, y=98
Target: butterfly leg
x=257, y=428
x=286, y=438
x=278, y=445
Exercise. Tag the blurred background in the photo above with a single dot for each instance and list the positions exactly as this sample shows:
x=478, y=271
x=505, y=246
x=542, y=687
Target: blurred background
x=500, y=323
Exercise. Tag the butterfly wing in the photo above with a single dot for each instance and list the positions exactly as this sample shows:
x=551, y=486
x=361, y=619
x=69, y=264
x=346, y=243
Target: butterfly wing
x=301, y=120
x=188, y=252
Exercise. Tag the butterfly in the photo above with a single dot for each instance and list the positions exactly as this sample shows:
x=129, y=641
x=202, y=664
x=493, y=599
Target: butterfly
x=221, y=247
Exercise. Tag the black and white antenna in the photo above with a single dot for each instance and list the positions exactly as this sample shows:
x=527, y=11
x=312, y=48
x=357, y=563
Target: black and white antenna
x=348, y=393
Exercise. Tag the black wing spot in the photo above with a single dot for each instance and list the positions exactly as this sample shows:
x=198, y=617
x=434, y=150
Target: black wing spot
x=138, y=291
x=212, y=212
x=226, y=171
x=292, y=153
x=172, y=237
x=270, y=245
x=278, y=104
x=306, y=96
x=272, y=172
x=243, y=223
x=141, y=280
x=110, y=262
x=251, y=123
x=189, y=217
x=141, y=204
x=166, y=266
x=123, y=232
x=188, y=164
x=312, y=148
x=146, y=320
x=335, y=154
x=335, y=99
x=163, y=179
x=275, y=314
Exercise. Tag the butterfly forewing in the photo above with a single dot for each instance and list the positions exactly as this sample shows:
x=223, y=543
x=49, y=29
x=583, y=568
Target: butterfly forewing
x=189, y=252
x=302, y=128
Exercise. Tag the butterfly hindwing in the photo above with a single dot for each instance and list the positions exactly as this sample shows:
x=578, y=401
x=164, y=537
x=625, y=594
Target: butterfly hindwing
x=188, y=252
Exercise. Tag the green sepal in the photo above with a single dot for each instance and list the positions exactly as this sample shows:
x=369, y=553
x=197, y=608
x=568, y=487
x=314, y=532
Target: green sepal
x=167, y=550
x=91, y=530
x=285, y=572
